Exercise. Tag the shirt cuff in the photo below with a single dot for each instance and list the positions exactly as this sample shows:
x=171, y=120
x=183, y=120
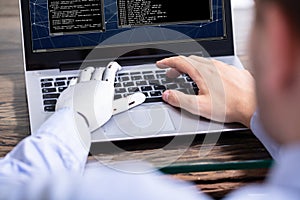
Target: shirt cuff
x=71, y=129
x=258, y=130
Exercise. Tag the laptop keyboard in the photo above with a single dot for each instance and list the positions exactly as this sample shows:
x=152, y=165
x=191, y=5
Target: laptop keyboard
x=51, y=89
x=151, y=83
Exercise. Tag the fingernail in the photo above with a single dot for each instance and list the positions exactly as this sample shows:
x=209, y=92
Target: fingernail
x=165, y=95
x=159, y=62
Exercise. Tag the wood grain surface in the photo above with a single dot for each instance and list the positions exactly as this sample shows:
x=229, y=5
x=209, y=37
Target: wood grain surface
x=241, y=146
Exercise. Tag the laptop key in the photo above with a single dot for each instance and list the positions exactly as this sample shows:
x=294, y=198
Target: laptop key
x=128, y=84
x=50, y=102
x=153, y=100
x=61, y=79
x=167, y=80
x=125, y=78
x=46, y=79
x=59, y=83
x=133, y=89
x=146, y=88
x=147, y=72
x=135, y=78
x=123, y=74
x=146, y=94
x=61, y=89
x=127, y=94
x=117, y=96
x=189, y=79
x=160, y=71
x=140, y=83
x=49, y=108
x=192, y=91
x=155, y=93
x=161, y=76
x=172, y=86
x=135, y=73
x=179, y=80
x=50, y=96
x=120, y=90
x=46, y=84
x=118, y=85
x=149, y=77
x=159, y=87
x=48, y=90
x=185, y=85
x=154, y=82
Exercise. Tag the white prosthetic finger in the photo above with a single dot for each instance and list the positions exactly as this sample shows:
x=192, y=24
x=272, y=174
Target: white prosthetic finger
x=110, y=72
x=86, y=74
x=98, y=73
x=73, y=81
x=124, y=104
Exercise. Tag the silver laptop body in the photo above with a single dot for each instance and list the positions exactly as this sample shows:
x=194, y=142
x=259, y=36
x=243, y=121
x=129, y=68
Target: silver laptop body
x=52, y=59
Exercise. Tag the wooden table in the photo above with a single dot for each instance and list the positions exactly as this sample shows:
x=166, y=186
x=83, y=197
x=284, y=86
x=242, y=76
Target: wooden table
x=230, y=147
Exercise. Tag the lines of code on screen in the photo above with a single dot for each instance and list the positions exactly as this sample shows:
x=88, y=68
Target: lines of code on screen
x=146, y=12
x=200, y=23
x=75, y=16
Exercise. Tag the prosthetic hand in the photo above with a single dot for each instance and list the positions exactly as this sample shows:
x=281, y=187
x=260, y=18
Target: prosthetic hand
x=92, y=94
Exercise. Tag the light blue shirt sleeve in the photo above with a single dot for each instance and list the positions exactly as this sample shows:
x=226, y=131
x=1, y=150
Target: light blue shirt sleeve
x=51, y=164
x=55, y=147
x=258, y=130
x=281, y=184
x=283, y=179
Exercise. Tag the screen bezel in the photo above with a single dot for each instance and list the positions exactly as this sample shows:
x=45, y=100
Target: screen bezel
x=74, y=58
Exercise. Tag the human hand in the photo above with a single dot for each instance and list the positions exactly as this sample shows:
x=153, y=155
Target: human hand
x=92, y=96
x=226, y=94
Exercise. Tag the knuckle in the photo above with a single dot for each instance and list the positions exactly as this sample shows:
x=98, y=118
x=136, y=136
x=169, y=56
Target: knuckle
x=173, y=98
x=180, y=58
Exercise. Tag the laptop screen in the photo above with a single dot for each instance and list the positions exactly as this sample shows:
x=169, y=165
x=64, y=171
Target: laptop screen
x=58, y=32
x=59, y=25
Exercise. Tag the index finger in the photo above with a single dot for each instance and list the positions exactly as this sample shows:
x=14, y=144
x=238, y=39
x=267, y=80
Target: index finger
x=111, y=71
x=86, y=74
x=180, y=64
x=98, y=73
x=184, y=65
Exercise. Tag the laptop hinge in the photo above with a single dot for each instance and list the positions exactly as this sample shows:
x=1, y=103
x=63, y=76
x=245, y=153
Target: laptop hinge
x=67, y=66
x=75, y=65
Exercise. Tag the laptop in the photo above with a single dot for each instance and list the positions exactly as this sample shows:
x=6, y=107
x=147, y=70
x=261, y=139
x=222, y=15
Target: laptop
x=62, y=37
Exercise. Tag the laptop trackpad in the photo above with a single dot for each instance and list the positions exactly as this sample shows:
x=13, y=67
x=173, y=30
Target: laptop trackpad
x=140, y=122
